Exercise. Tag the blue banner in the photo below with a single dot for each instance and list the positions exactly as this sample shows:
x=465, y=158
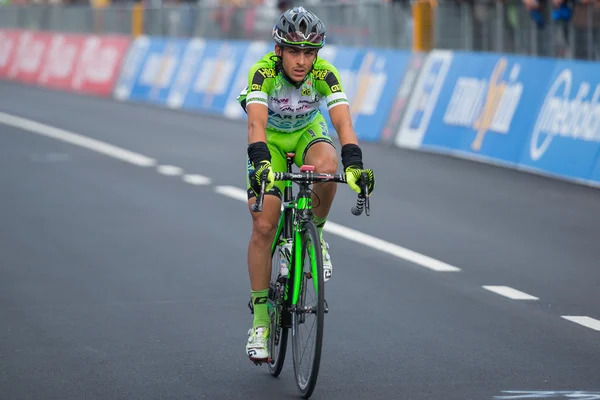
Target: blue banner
x=486, y=105
x=346, y=61
x=186, y=73
x=539, y=114
x=132, y=67
x=564, y=137
x=208, y=75
x=596, y=172
x=214, y=76
x=256, y=50
x=423, y=99
x=159, y=69
x=377, y=80
x=370, y=80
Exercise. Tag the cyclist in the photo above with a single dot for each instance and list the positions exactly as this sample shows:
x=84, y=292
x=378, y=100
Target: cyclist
x=282, y=100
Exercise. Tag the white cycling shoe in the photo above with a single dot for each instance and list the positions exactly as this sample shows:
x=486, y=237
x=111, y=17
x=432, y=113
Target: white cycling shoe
x=257, y=347
x=327, y=267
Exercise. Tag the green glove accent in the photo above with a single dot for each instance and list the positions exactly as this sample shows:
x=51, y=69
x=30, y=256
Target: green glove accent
x=353, y=177
x=256, y=174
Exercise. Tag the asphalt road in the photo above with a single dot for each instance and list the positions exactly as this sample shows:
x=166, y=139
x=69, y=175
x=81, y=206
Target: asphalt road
x=121, y=282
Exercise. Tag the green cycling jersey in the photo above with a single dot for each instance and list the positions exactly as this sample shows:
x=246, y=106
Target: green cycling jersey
x=292, y=107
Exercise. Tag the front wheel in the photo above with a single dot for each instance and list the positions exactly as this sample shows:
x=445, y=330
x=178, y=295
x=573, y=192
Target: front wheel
x=309, y=312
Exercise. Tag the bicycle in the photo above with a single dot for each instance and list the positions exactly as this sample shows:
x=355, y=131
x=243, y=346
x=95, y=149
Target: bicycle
x=297, y=237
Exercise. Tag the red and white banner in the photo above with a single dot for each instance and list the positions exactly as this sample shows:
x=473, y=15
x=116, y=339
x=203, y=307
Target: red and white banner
x=99, y=64
x=8, y=49
x=80, y=63
x=59, y=61
x=29, y=55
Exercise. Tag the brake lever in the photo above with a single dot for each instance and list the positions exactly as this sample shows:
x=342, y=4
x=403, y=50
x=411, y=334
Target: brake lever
x=366, y=191
x=257, y=206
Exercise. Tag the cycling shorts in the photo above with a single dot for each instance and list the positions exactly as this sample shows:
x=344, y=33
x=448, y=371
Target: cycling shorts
x=280, y=143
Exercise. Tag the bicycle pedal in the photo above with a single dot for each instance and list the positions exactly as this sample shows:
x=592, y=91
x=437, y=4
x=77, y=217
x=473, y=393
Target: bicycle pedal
x=259, y=362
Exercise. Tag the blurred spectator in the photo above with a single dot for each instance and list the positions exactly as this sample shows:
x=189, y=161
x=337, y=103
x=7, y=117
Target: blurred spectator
x=283, y=5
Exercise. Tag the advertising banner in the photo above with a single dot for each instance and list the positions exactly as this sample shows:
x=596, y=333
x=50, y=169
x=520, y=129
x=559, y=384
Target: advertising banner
x=151, y=81
x=8, y=48
x=98, y=65
x=564, y=138
x=486, y=105
x=423, y=99
x=214, y=76
x=28, y=58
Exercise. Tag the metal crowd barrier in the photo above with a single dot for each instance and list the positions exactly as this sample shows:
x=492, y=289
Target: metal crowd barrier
x=470, y=25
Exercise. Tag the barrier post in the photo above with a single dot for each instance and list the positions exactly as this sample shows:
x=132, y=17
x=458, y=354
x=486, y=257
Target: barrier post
x=137, y=19
x=423, y=26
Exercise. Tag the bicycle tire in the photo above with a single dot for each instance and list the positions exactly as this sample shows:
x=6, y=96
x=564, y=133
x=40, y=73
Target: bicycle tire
x=278, y=334
x=306, y=385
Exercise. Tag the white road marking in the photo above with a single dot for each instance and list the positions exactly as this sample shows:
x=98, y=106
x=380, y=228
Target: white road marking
x=361, y=238
x=233, y=192
x=169, y=170
x=197, y=179
x=78, y=140
x=390, y=248
x=509, y=292
x=585, y=321
x=240, y=194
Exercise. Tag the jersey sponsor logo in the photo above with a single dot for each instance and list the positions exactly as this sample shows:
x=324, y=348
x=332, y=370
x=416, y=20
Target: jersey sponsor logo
x=288, y=116
x=337, y=101
x=267, y=72
x=313, y=101
x=256, y=86
x=306, y=92
x=333, y=82
x=320, y=74
x=290, y=122
x=291, y=108
x=324, y=128
x=257, y=99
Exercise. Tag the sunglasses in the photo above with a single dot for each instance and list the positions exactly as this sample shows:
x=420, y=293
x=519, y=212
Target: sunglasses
x=300, y=38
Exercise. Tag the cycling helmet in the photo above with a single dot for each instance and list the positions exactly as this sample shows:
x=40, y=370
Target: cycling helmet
x=298, y=27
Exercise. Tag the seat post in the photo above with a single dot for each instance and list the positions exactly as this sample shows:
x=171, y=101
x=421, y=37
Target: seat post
x=290, y=160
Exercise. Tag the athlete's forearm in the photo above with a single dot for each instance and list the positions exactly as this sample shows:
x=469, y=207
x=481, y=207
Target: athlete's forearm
x=341, y=120
x=345, y=132
x=256, y=132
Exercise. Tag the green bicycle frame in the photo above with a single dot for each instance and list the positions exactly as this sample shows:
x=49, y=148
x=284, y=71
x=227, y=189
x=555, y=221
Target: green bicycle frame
x=294, y=212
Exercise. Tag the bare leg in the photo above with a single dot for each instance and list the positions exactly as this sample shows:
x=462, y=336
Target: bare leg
x=264, y=225
x=323, y=156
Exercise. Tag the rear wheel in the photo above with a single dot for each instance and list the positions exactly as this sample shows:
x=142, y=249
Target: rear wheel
x=308, y=316
x=277, y=334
